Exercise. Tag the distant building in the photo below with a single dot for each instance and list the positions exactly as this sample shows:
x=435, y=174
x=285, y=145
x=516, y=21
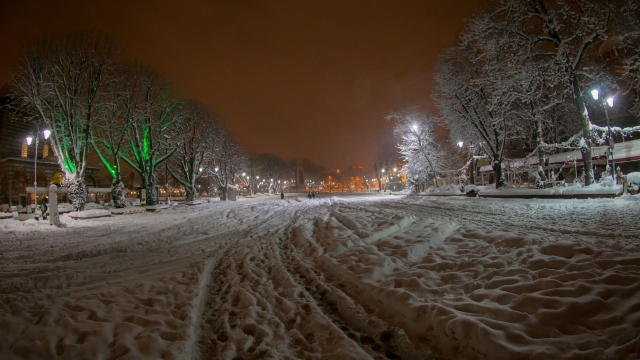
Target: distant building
x=17, y=159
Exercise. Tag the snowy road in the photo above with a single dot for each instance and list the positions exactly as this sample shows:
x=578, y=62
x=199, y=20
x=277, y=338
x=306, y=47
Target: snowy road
x=353, y=277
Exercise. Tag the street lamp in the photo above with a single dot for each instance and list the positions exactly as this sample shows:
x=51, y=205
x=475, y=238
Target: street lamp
x=594, y=94
x=45, y=134
x=460, y=143
x=415, y=127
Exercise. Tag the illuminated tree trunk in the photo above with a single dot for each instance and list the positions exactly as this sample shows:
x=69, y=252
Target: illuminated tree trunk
x=149, y=184
x=117, y=193
x=77, y=193
x=191, y=192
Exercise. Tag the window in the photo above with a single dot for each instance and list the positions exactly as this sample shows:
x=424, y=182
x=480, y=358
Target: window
x=45, y=151
x=25, y=148
x=57, y=178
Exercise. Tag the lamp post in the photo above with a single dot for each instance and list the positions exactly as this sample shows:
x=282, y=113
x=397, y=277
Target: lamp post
x=609, y=101
x=45, y=134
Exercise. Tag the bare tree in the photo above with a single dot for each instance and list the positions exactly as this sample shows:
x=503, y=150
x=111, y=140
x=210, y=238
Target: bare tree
x=273, y=169
x=154, y=112
x=473, y=113
x=630, y=69
x=418, y=146
x=248, y=168
x=59, y=84
x=226, y=159
x=109, y=134
x=387, y=155
x=191, y=137
x=566, y=34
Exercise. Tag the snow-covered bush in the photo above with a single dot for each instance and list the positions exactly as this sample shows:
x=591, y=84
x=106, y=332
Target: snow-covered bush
x=633, y=179
x=606, y=181
x=535, y=177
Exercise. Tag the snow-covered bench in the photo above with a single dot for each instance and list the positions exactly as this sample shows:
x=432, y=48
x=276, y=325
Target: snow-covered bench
x=89, y=214
x=129, y=210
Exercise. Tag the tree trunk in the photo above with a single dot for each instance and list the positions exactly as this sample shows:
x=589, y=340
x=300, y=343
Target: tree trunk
x=191, y=192
x=149, y=184
x=77, y=193
x=117, y=194
x=224, y=193
x=497, y=173
x=585, y=146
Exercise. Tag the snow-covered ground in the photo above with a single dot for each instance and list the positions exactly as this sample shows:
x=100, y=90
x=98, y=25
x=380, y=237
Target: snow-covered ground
x=339, y=277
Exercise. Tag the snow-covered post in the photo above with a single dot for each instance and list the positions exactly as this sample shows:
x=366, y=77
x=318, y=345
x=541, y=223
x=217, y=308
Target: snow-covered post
x=54, y=216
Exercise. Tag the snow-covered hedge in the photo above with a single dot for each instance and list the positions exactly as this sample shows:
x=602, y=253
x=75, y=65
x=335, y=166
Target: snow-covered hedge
x=633, y=179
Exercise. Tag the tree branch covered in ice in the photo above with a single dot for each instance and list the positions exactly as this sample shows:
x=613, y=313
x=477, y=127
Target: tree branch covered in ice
x=418, y=147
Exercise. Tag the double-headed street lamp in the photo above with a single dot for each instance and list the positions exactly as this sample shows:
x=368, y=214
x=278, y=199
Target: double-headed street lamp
x=45, y=134
x=609, y=101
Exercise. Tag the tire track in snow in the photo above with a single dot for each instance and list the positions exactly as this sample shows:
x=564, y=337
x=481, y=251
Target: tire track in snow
x=375, y=337
x=203, y=336
x=304, y=331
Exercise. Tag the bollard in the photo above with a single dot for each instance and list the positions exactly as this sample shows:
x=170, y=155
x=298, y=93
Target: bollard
x=54, y=216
